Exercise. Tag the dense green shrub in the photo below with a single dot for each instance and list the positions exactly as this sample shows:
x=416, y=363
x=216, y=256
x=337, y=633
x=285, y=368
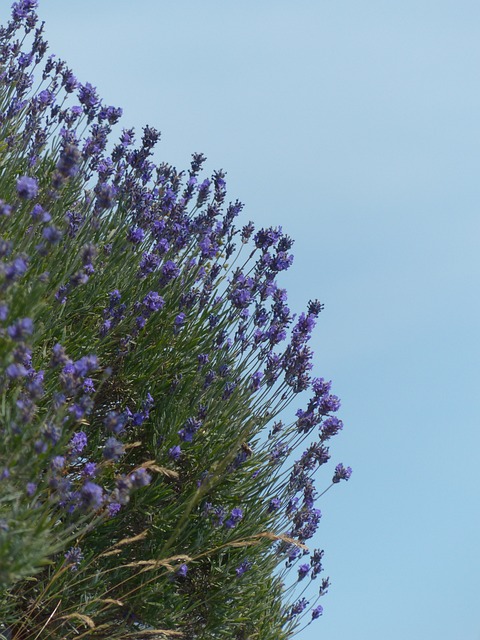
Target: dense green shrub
x=147, y=485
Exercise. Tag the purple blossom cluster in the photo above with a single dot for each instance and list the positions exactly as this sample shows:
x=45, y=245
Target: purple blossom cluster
x=74, y=557
x=242, y=568
x=220, y=517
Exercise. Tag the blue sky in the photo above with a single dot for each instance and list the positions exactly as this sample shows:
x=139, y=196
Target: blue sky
x=355, y=126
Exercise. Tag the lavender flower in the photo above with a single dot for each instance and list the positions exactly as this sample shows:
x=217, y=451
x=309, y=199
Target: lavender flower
x=78, y=443
x=218, y=515
x=88, y=385
x=175, y=452
x=179, y=321
x=140, y=478
x=256, y=381
x=330, y=427
x=153, y=301
x=203, y=192
x=303, y=570
x=31, y=488
x=105, y=195
x=203, y=359
x=21, y=329
x=169, y=271
x=341, y=473
x=242, y=568
x=265, y=238
x=22, y=9
x=16, y=268
x=113, y=449
x=148, y=263
x=84, y=365
x=15, y=370
x=27, y=188
x=38, y=213
x=298, y=607
x=274, y=504
x=189, y=429
x=88, y=97
x=74, y=556
x=115, y=422
x=89, y=470
x=136, y=235
x=59, y=356
x=52, y=234
x=40, y=446
x=69, y=160
x=235, y=516
x=113, y=508
x=5, y=209
x=181, y=572
x=58, y=462
x=317, y=612
x=329, y=403
x=316, y=562
x=90, y=496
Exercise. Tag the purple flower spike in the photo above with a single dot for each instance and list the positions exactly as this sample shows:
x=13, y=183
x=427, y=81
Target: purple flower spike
x=15, y=370
x=303, y=570
x=169, y=271
x=274, y=504
x=242, y=568
x=181, y=572
x=153, y=301
x=16, y=268
x=114, y=508
x=88, y=385
x=105, y=195
x=27, y=188
x=78, y=443
x=113, y=449
x=74, y=556
x=88, y=97
x=256, y=381
x=58, y=462
x=179, y=320
x=140, y=478
x=189, y=429
x=175, y=452
x=341, y=473
x=317, y=612
x=91, y=496
x=69, y=160
x=31, y=488
x=22, y=9
x=5, y=209
x=20, y=329
x=298, y=607
x=235, y=516
x=115, y=422
x=52, y=234
x=136, y=235
x=89, y=470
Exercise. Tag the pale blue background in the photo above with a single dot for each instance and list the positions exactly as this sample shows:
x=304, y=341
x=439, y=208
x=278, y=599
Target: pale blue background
x=355, y=124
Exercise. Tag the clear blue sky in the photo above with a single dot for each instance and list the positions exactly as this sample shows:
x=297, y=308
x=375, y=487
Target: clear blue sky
x=356, y=126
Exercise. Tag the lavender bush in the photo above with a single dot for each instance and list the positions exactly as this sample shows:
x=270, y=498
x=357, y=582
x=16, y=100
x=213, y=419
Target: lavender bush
x=148, y=486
